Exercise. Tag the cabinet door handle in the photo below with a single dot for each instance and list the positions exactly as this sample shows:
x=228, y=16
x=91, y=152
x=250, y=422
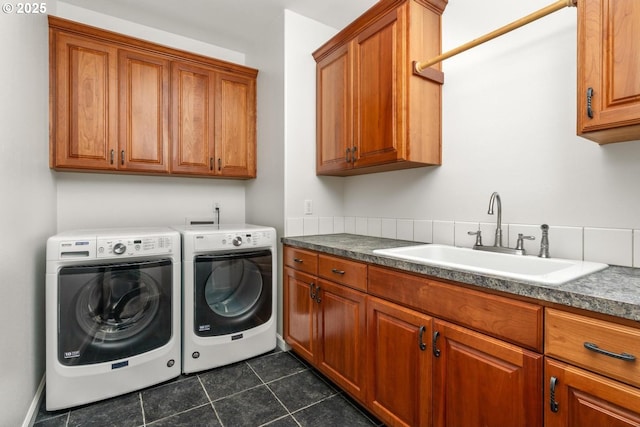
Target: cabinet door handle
x=335, y=270
x=312, y=291
x=622, y=356
x=421, y=343
x=589, y=96
x=112, y=156
x=436, y=352
x=553, y=405
x=210, y=163
x=122, y=157
x=318, y=290
x=353, y=155
x=348, y=158
x=219, y=163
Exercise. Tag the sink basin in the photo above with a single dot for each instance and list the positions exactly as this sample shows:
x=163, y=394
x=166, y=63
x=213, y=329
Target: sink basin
x=529, y=268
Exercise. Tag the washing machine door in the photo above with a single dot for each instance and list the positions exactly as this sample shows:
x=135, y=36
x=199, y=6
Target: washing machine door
x=113, y=311
x=233, y=292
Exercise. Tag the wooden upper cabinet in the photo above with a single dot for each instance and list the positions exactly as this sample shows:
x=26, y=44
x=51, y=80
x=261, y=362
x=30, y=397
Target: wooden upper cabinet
x=373, y=114
x=193, y=118
x=144, y=112
x=235, y=125
x=84, y=103
x=120, y=104
x=609, y=70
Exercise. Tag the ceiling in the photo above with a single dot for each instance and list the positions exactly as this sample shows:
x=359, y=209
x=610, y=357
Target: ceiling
x=232, y=24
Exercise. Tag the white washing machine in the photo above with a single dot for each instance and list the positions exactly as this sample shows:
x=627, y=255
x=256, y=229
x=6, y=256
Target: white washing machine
x=112, y=313
x=229, y=294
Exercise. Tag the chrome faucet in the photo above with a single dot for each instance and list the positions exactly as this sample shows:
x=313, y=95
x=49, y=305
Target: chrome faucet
x=496, y=197
x=497, y=244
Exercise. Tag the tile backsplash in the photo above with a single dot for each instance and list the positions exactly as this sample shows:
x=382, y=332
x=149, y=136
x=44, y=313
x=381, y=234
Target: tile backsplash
x=614, y=246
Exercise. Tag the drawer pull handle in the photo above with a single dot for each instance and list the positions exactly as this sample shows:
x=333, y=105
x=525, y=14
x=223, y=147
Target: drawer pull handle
x=421, y=343
x=436, y=352
x=622, y=356
x=298, y=260
x=553, y=405
x=335, y=270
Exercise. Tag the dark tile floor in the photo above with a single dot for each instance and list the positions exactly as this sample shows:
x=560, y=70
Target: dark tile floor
x=276, y=389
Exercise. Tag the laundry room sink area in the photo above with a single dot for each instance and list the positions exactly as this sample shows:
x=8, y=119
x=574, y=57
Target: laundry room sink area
x=519, y=267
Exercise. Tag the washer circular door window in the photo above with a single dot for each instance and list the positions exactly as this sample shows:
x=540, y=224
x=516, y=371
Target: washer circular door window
x=233, y=292
x=233, y=287
x=112, y=311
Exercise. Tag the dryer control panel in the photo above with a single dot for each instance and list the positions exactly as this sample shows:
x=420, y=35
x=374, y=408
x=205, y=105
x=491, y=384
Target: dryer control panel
x=233, y=240
x=115, y=247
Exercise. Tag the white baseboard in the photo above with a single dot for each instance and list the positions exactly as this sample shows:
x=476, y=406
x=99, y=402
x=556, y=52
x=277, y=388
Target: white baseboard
x=32, y=413
x=282, y=345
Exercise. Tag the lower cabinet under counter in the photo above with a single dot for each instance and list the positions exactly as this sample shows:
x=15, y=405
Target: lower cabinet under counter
x=420, y=351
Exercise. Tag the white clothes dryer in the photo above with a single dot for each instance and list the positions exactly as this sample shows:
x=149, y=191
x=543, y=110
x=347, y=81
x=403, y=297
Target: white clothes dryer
x=112, y=313
x=229, y=294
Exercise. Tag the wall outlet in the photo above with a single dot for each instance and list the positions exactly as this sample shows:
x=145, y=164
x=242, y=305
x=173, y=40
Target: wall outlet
x=308, y=207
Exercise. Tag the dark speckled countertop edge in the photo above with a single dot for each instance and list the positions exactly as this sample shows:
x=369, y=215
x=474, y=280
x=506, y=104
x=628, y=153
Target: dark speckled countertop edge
x=614, y=291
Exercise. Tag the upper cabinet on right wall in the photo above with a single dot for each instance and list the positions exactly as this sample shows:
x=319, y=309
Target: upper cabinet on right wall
x=609, y=70
x=373, y=114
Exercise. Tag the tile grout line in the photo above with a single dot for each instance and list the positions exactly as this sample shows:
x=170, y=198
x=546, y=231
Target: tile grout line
x=144, y=418
x=210, y=401
x=273, y=394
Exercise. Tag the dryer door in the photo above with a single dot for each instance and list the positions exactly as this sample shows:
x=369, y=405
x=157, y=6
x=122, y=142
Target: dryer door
x=113, y=311
x=233, y=292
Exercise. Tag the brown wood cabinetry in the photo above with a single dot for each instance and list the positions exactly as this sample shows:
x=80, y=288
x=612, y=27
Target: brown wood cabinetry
x=110, y=98
x=373, y=114
x=597, y=381
x=482, y=381
x=399, y=356
x=575, y=397
x=324, y=322
x=609, y=70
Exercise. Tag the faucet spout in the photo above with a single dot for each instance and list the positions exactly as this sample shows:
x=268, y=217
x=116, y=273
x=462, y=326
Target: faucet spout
x=496, y=197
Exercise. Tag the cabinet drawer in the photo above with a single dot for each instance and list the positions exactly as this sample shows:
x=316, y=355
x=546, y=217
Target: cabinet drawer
x=511, y=320
x=567, y=336
x=339, y=270
x=301, y=259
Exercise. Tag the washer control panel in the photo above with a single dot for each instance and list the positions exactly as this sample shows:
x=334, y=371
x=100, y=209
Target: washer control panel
x=132, y=246
x=115, y=247
x=233, y=240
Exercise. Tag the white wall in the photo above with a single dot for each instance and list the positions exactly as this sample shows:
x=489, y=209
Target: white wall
x=302, y=37
x=94, y=200
x=27, y=209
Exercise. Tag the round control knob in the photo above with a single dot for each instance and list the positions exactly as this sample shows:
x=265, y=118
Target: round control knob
x=119, y=248
x=237, y=241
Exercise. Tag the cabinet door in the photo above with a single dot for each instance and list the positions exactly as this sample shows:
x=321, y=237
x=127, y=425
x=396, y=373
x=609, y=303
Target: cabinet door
x=235, y=128
x=581, y=398
x=84, y=100
x=192, y=104
x=334, y=123
x=299, y=313
x=482, y=381
x=378, y=92
x=144, y=112
x=342, y=336
x=609, y=64
x=399, y=364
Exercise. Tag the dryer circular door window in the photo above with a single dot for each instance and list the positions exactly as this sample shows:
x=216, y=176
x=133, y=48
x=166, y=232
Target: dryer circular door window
x=233, y=292
x=113, y=311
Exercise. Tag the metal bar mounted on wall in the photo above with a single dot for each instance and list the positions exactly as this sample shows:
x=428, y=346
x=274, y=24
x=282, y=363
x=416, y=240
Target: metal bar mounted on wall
x=422, y=68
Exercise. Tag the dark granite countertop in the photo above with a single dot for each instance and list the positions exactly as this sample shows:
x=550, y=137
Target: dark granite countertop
x=614, y=291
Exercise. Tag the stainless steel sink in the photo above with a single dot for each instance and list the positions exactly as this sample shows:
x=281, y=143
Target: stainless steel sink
x=528, y=268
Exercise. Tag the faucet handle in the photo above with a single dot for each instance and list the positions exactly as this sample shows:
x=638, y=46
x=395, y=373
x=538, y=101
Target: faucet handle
x=520, y=242
x=478, y=235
